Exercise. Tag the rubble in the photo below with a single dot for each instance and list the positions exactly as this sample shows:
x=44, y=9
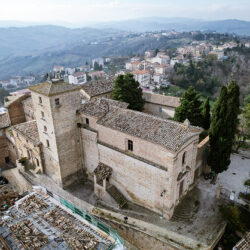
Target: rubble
x=31, y=204
x=29, y=235
x=38, y=221
x=7, y=197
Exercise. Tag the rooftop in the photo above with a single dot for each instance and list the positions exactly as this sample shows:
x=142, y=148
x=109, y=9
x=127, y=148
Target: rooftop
x=140, y=72
x=39, y=221
x=79, y=74
x=100, y=107
x=53, y=88
x=4, y=120
x=169, y=134
x=95, y=88
x=28, y=130
x=170, y=101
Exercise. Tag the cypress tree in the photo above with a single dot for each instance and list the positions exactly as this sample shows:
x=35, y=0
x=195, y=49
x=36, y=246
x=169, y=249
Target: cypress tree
x=233, y=110
x=126, y=89
x=190, y=108
x=206, y=114
x=218, y=158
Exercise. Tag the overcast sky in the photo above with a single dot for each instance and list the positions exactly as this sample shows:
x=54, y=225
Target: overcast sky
x=83, y=11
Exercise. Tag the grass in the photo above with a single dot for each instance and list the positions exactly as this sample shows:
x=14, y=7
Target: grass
x=171, y=91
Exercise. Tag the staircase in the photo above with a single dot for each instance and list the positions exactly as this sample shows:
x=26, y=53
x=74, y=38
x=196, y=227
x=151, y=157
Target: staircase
x=117, y=196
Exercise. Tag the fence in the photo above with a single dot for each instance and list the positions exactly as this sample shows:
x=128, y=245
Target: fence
x=91, y=219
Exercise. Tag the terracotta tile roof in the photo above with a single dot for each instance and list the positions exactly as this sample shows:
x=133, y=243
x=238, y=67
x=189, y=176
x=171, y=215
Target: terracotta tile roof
x=100, y=107
x=4, y=120
x=79, y=74
x=140, y=72
x=28, y=130
x=53, y=88
x=95, y=88
x=169, y=134
x=169, y=101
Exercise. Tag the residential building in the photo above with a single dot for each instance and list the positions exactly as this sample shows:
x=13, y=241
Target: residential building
x=97, y=75
x=142, y=76
x=78, y=78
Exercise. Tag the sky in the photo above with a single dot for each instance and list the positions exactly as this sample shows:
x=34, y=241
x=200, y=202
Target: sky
x=86, y=11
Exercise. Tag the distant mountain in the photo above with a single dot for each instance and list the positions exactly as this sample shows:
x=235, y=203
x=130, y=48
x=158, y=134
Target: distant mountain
x=25, y=40
x=179, y=24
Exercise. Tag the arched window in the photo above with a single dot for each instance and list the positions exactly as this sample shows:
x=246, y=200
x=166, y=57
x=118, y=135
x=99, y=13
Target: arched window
x=184, y=158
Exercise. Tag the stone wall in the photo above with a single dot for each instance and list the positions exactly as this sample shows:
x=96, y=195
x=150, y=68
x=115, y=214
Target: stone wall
x=26, y=148
x=3, y=148
x=16, y=111
x=28, y=109
x=62, y=162
x=160, y=105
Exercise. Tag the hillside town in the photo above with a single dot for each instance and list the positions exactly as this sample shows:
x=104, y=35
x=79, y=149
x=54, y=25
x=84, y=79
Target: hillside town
x=124, y=125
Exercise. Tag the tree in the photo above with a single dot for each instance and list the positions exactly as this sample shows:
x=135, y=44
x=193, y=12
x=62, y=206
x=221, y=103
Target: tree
x=219, y=156
x=128, y=90
x=233, y=110
x=246, y=117
x=96, y=66
x=223, y=127
x=206, y=114
x=190, y=108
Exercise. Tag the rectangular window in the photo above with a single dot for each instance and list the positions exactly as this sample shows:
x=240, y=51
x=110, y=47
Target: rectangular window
x=57, y=102
x=45, y=128
x=40, y=100
x=87, y=121
x=130, y=145
x=42, y=113
x=47, y=141
x=160, y=109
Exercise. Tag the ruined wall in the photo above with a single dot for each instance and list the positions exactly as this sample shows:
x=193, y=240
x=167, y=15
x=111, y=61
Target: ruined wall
x=16, y=112
x=28, y=109
x=26, y=148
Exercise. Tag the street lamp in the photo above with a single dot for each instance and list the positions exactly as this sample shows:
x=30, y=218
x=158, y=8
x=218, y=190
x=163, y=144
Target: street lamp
x=162, y=195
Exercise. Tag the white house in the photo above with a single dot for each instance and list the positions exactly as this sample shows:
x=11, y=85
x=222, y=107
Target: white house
x=78, y=78
x=142, y=76
x=58, y=68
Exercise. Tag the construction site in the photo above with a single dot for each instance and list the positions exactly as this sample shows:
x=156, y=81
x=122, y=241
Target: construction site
x=39, y=221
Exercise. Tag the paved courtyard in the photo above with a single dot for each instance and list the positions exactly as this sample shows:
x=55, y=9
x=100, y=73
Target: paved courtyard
x=233, y=179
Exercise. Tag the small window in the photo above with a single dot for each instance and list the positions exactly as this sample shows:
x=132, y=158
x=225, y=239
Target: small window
x=184, y=158
x=160, y=109
x=57, y=102
x=87, y=121
x=37, y=162
x=42, y=113
x=40, y=100
x=45, y=128
x=47, y=141
x=130, y=145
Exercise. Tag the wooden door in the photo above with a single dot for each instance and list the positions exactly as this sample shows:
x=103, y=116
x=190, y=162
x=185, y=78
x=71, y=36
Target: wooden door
x=181, y=189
